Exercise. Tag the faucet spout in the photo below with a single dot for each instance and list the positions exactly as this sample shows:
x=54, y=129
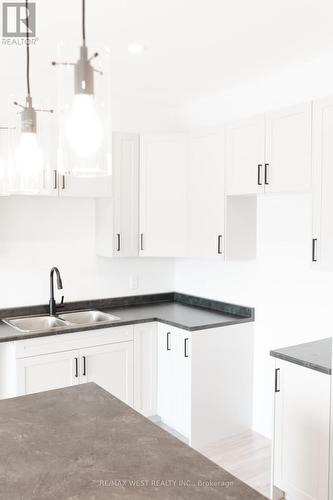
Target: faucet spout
x=52, y=302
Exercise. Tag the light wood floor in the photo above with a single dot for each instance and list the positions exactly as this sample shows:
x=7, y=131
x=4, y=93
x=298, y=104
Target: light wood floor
x=247, y=456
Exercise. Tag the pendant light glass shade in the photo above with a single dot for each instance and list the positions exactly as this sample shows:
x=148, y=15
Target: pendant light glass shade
x=84, y=111
x=29, y=149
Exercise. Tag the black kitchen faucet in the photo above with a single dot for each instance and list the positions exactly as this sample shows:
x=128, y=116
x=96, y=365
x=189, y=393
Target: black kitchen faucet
x=53, y=305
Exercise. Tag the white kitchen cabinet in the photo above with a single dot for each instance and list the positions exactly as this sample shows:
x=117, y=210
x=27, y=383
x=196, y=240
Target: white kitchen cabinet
x=301, y=432
x=205, y=381
x=104, y=357
x=245, y=153
x=174, y=378
x=163, y=195
x=117, y=218
x=46, y=372
x=270, y=153
x=145, y=368
x=54, y=183
x=206, y=201
x=288, y=149
x=322, y=243
x=84, y=187
x=111, y=367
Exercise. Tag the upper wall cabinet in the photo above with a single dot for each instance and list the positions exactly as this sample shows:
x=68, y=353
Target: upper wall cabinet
x=270, y=153
x=322, y=243
x=117, y=218
x=245, y=152
x=206, y=212
x=163, y=195
x=56, y=184
x=89, y=187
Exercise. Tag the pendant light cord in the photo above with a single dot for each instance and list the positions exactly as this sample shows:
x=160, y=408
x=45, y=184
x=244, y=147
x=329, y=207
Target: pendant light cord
x=84, y=22
x=28, y=49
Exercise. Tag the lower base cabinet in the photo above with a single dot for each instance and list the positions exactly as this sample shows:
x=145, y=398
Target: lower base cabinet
x=46, y=372
x=205, y=381
x=199, y=383
x=110, y=366
x=301, y=433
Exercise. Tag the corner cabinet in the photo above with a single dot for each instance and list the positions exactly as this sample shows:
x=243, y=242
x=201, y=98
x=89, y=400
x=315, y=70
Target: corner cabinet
x=117, y=218
x=270, y=153
x=197, y=375
x=301, y=448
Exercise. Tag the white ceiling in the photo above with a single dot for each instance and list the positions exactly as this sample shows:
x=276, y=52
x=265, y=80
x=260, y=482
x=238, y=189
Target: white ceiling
x=195, y=48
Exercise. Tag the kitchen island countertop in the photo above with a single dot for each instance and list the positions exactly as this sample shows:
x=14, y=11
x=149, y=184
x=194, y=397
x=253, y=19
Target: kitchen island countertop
x=82, y=443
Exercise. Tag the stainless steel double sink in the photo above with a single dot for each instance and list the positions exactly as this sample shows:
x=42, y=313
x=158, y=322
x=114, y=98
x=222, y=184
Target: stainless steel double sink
x=31, y=324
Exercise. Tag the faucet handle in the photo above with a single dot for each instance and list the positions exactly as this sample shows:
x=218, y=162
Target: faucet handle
x=61, y=302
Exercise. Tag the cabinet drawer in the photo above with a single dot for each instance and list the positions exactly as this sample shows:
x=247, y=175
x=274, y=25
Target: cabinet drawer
x=70, y=341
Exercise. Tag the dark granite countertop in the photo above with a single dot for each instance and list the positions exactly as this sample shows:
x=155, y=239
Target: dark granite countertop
x=183, y=311
x=315, y=355
x=82, y=443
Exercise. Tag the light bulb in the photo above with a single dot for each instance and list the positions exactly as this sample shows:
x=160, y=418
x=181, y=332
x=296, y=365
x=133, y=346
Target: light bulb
x=84, y=129
x=29, y=160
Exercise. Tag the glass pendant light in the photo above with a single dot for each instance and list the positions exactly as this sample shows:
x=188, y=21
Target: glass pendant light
x=26, y=156
x=85, y=131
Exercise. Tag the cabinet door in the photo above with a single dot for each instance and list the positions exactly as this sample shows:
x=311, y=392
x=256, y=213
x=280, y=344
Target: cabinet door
x=245, y=155
x=301, y=432
x=145, y=368
x=288, y=149
x=174, y=378
x=125, y=191
x=46, y=372
x=111, y=367
x=117, y=218
x=163, y=195
x=167, y=376
x=90, y=187
x=323, y=184
x=183, y=383
x=206, y=196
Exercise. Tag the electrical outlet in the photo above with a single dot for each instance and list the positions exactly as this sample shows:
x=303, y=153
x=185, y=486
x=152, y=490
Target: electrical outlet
x=134, y=283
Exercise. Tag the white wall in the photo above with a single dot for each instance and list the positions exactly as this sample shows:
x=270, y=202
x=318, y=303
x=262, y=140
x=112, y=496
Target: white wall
x=38, y=233
x=293, y=302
